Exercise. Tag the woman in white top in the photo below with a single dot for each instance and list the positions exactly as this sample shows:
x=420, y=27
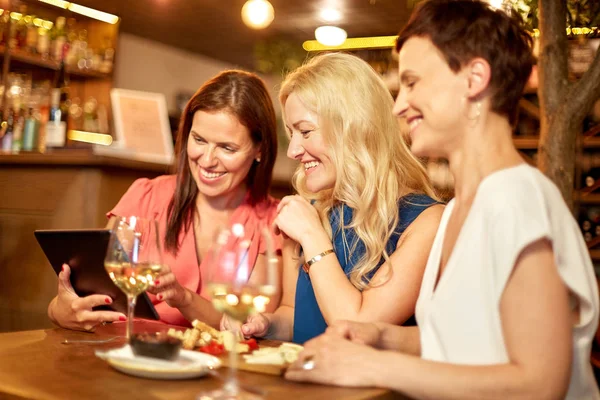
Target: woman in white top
x=508, y=306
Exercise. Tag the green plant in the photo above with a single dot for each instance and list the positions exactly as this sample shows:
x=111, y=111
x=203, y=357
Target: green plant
x=580, y=13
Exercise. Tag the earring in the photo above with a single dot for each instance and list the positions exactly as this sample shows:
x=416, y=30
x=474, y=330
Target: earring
x=477, y=112
x=257, y=159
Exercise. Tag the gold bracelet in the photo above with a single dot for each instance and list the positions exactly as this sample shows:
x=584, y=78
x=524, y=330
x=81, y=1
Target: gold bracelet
x=315, y=259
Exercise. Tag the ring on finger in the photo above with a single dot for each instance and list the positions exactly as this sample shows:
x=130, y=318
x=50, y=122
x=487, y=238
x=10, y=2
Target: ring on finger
x=309, y=363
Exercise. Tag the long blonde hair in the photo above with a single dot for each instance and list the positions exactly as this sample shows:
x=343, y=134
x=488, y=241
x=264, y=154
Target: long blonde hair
x=374, y=166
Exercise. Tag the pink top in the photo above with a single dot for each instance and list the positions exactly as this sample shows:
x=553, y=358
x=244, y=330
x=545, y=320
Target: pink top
x=150, y=198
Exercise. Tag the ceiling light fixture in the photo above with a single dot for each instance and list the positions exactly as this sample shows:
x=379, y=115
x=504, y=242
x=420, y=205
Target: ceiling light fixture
x=330, y=35
x=87, y=11
x=330, y=15
x=374, y=42
x=258, y=14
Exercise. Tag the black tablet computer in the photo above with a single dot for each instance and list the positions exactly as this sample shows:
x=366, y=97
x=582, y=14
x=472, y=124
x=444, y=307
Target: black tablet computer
x=84, y=251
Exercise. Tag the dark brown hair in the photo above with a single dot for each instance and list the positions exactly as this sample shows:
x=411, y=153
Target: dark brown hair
x=465, y=29
x=245, y=96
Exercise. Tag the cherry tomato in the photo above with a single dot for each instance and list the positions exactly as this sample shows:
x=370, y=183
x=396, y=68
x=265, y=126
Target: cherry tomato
x=213, y=348
x=252, y=343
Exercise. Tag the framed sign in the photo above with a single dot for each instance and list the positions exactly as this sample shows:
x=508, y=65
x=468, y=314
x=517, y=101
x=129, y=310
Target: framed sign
x=141, y=126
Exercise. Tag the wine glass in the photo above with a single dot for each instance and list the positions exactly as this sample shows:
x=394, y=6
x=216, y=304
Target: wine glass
x=134, y=258
x=232, y=295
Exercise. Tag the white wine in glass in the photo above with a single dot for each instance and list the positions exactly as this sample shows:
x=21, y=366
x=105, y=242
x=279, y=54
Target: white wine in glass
x=232, y=295
x=134, y=258
x=240, y=301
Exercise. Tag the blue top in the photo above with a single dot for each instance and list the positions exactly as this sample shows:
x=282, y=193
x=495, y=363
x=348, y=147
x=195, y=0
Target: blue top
x=308, y=320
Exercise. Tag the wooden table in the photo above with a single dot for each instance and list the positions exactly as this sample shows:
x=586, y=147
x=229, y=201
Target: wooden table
x=35, y=365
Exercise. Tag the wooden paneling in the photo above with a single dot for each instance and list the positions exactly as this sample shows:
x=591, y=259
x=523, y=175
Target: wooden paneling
x=42, y=196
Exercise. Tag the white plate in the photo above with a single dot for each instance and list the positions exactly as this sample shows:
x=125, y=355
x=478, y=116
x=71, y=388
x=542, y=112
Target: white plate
x=189, y=364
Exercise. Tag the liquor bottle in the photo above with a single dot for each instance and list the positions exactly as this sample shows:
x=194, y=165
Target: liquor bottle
x=56, y=128
x=43, y=43
x=58, y=39
x=90, y=119
x=21, y=29
x=4, y=22
x=30, y=132
x=43, y=115
x=8, y=134
x=108, y=55
x=31, y=38
x=586, y=226
x=589, y=179
x=72, y=53
x=18, y=122
x=593, y=214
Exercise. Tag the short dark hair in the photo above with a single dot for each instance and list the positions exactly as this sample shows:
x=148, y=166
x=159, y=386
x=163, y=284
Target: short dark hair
x=465, y=29
x=244, y=95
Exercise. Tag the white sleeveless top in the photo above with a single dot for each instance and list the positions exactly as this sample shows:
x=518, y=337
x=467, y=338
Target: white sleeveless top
x=460, y=323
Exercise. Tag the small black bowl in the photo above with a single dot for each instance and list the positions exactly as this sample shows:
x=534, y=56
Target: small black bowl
x=157, y=345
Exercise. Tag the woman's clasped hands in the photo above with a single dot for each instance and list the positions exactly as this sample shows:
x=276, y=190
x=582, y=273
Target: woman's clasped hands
x=341, y=356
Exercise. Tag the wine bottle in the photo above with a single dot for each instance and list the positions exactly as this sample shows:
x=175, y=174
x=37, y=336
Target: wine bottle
x=593, y=214
x=56, y=128
x=589, y=178
x=8, y=134
x=21, y=29
x=17, y=141
x=59, y=39
x=30, y=132
x=586, y=226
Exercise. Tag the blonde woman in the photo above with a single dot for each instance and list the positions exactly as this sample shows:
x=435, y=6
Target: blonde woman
x=361, y=228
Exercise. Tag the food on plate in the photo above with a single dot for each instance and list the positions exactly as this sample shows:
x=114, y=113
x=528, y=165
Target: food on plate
x=211, y=341
x=286, y=353
x=156, y=345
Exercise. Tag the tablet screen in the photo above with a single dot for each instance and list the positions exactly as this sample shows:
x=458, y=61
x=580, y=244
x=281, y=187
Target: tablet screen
x=84, y=251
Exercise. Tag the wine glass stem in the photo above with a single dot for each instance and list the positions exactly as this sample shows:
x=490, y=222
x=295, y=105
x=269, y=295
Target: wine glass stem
x=232, y=384
x=130, y=309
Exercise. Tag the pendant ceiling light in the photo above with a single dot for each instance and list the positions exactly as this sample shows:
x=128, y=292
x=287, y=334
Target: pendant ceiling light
x=258, y=14
x=330, y=35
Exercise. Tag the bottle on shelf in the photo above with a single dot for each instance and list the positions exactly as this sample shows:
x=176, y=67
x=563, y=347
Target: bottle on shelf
x=90, y=118
x=4, y=25
x=8, y=133
x=32, y=120
x=72, y=53
x=30, y=130
x=31, y=38
x=58, y=39
x=18, y=122
x=56, y=128
x=43, y=43
x=108, y=55
x=43, y=115
x=590, y=179
x=21, y=29
x=589, y=223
